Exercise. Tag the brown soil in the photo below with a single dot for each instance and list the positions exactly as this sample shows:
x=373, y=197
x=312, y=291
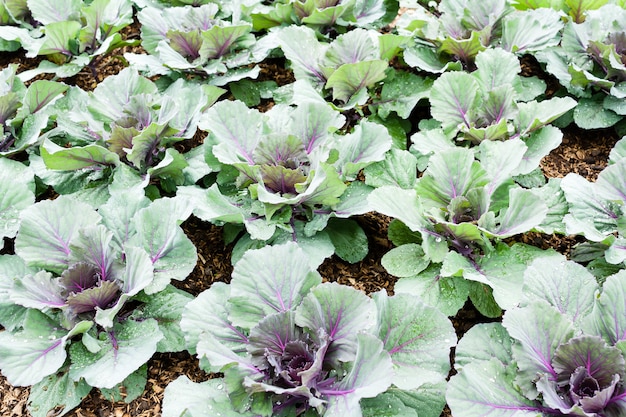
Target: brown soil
x=582, y=152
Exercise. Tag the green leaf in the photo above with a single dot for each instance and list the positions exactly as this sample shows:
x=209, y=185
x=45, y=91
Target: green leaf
x=417, y=336
x=454, y=100
x=405, y=261
x=76, y=158
x=47, y=229
x=591, y=114
x=184, y=398
x=447, y=294
x=122, y=351
x=482, y=343
x=59, y=37
x=426, y=401
x=56, y=392
x=349, y=239
x=402, y=92
x=129, y=389
x=268, y=280
x=481, y=296
x=349, y=79
x=398, y=169
x=608, y=317
x=16, y=193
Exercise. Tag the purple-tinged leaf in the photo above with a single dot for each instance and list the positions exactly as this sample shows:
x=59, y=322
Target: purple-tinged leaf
x=263, y=283
x=95, y=245
x=187, y=44
x=540, y=329
x=370, y=374
x=418, y=338
x=101, y=296
x=608, y=318
x=219, y=40
x=47, y=229
x=272, y=336
x=454, y=99
x=79, y=277
x=40, y=291
x=342, y=312
x=125, y=348
x=350, y=79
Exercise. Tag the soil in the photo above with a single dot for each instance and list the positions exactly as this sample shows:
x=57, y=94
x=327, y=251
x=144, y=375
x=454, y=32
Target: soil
x=583, y=152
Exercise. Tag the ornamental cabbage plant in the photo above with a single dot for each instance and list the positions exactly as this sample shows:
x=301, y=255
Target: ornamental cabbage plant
x=289, y=174
x=194, y=41
x=590, y=62
x=450, y=36
x=455, y=217
x=25, y=111
x=290, y=345
x=560, y=353
x=71, y=34
x=127, y=120
x=85, y=301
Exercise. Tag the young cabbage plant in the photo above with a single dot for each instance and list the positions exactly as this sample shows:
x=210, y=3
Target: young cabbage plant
x=450, y=37
x=24, y=111
x=72, y=35
x=560, y=353
x=590, y=62
x=347, y=66
x=127, y=121
x=596, y=210
x=288, y=175
x=324, y=15
x=493, y=102
x=455, y=216
x=86, y=299
x=192, y=40
x=290, y=345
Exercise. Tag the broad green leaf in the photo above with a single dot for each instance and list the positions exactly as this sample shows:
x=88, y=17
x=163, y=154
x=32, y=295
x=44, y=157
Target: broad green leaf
x=370, y=375
x=56, y=392
x=530, y=31
x=401, y=204
x=47, y=229
x=348, y=238
x=540, y=329
x=482, y=343
x=398, y=169
x=130, y=388
x=488, y=388
x=426, y=401
x=59, y=38
x=608, y=317
x=465, y=49
x=368, y=143
x=405, y=261
x=166, y=307
x=418, y=338
x=218, y=40
x=76, y=158
x=184, y=398
x=564, y=284
x=27, y=356
x=349, y=79
x=122, y=351
x=590, y=114
x=16, y=194
x=447, y=294
x=171, y=252
x=268, y=281
x=454, y=98
x=496, y=68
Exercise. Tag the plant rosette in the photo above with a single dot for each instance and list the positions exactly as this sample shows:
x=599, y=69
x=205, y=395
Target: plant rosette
x=86, y=300
x=560, y=353
x=290, y=345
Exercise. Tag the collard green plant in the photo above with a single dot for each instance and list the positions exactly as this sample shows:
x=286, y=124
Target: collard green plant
x=193, y=40
x=86, y=299
x=127, y=121
x=560, y=353
x=72, y=34
x=24, y=111
x=290, y=345
x=590, y=62
x=454, y=217
x=288, y=174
